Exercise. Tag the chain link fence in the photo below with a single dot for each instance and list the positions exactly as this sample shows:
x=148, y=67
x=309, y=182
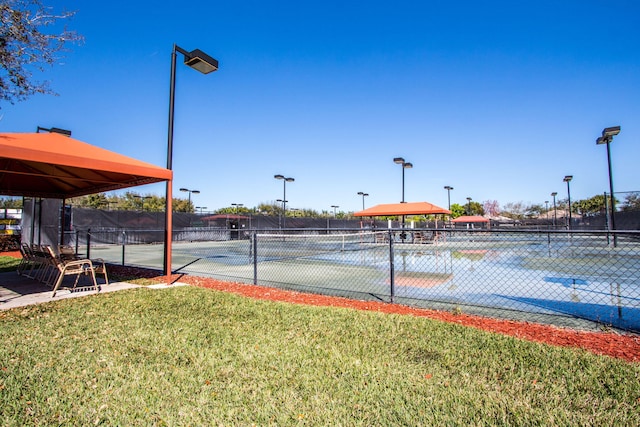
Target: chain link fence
x=580, y=279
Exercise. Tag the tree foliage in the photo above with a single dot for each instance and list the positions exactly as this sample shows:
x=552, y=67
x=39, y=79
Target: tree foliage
x=27, y=45
x=130, y=201
x=631, y=202
x=11, y=202
x=457, y=210
x=491, y=207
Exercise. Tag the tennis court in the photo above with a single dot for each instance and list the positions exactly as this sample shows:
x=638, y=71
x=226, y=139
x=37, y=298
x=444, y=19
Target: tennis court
x=532, y=275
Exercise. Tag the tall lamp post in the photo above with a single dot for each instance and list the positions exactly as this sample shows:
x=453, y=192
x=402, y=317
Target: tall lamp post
x=334, y=210
x=568, y=179
x=204, y=63
x=448, y=188
x=607, y=138
x=546, y=207
x=363, y=194
x=186, y=190
x=284, y=198
x=555, y=211
x=469, y=205
x=405, y=165
x=284, y=206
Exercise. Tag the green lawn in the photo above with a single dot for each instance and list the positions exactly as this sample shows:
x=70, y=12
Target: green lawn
x=193, y=356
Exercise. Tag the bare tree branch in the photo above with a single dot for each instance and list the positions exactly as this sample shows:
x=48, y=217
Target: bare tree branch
x=25, y=46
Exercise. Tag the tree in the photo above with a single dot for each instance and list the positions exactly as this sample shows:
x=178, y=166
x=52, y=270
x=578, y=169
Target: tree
x=491, y=207
x=11, y=202
x=457, y=210
x=631, y=202
x=25, y=46
x=591, y=206
x=515, y=210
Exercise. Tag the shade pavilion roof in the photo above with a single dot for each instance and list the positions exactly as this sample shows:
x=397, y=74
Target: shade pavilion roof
x=470, y=218
x=51, y=165
x=411, y=208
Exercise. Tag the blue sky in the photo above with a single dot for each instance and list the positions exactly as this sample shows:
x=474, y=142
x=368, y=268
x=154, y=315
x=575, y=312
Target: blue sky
x=498, y=99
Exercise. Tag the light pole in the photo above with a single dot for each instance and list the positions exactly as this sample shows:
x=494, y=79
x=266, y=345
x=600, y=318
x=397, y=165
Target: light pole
x=448, y=188
x=186, y=190
x=405, y=165
x=363, y=194
x=568, y=179
x=202, y=62
x=334, y=210
x=284, y=198
x=555, y=211
x=469, y=205
x=201, y=208
x=284, y=204
x=237, y=205
x=546, y=207
x=607, y=138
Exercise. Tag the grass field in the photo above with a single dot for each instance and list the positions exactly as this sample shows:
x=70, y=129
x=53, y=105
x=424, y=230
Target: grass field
x=193, y=356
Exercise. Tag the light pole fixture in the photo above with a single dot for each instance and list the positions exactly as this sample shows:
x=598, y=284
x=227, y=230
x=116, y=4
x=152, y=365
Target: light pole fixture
x=469, y=205
x=607, y=138
x=204, y=63
x=237, y=205
x=200, y=208
x=54, y=130
x=555, y=211
x=568, y=179
x=334, y=209
x=448, y=188
x=405, y=165
x=186, y=190
x=284, y=198
x=363, y=194
x=546, y=207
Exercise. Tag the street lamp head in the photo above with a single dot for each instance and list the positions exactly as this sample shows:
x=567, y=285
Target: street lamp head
x=282, y=177
x=362, y=193
x=554, y=194
x=198, y=60
x=398, y=160
x=611, y=131
x=448, y=187
x=195, y=191
x=407, y=165
x=469, y=198
x=184, y=189
x=567, y=178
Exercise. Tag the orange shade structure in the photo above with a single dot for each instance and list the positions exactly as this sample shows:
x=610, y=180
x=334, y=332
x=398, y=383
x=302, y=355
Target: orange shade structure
x=55, y=166
x=412, y=208
x=51, y=165
x=469, y=219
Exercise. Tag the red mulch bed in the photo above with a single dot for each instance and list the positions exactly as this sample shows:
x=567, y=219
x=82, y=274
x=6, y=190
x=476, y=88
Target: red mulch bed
x=621, y=346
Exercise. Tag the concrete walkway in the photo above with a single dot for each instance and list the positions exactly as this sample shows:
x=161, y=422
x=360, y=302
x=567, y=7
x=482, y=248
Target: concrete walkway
x=19, y=291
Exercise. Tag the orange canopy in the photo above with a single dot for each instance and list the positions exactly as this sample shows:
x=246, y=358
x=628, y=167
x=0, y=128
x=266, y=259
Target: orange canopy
x=52, y=165
x=413, y=208
x=470, y=218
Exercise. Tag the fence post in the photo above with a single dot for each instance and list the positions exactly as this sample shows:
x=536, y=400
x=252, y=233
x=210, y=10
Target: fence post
x=255, y=257
x=77, y=240
x=124, y=240
x=88, y=243
x=391, y=267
